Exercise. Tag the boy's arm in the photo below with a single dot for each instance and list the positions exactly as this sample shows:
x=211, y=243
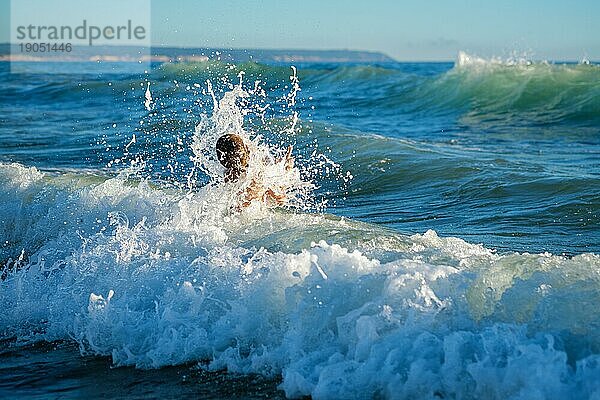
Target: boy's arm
x=288, y=159
x=268, y=196
x=253, y=191
x=275, y=198
x=257, y=190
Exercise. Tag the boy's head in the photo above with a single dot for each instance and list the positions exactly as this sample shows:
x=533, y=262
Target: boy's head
x=233, y=153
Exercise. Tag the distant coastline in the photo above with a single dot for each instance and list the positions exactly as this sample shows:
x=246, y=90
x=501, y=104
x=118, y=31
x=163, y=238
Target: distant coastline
x=188, y=54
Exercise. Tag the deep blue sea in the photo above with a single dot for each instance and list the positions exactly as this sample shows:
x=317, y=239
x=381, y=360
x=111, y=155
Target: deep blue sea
x=441, y=238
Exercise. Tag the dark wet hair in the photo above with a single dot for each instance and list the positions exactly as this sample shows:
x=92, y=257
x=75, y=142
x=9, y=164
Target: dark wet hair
x=233, y=154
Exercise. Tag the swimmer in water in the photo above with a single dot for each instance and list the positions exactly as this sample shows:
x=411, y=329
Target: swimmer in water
x=234, y=155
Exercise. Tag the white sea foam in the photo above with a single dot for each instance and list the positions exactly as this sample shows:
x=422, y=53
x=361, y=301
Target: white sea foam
x=152, y=279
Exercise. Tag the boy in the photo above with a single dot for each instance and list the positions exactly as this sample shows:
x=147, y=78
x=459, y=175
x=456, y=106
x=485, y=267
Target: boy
x=234, y=155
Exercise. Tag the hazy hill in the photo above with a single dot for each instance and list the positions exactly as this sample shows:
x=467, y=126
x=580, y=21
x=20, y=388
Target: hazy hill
x=177, y=54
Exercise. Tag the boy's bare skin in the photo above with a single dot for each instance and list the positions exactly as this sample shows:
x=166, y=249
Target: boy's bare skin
x=269, y=195
x=233, y=154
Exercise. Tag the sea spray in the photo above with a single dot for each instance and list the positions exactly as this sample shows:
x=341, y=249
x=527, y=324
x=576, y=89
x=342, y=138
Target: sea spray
x=263, y=167
x=265, y=163
x=265, y=117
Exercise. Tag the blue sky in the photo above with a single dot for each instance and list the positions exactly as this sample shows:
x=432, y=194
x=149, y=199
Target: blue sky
x=405, y=30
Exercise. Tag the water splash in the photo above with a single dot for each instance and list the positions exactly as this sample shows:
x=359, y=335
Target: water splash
x=148, y=103
x=266, y=164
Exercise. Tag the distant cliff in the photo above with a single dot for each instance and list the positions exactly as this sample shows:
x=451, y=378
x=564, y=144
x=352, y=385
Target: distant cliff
x=183, y=54
x=264, y=55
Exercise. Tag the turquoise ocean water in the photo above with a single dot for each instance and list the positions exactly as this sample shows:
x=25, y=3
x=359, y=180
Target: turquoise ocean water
x=441, y=239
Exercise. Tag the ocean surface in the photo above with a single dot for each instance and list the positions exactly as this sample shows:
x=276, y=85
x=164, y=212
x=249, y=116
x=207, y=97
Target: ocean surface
x=441, y=239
